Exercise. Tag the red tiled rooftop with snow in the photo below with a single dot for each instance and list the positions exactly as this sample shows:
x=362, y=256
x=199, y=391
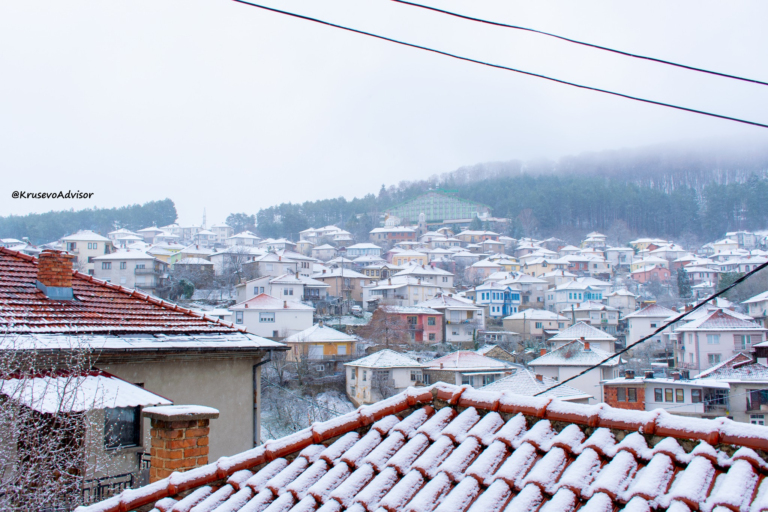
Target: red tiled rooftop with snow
x=99, y=307
x=448, y=448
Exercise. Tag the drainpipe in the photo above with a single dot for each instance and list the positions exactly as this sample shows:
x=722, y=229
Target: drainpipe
x=257, y=399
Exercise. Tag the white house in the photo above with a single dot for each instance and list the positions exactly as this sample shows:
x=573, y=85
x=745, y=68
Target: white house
x=623, y=300
x=535, y=323
x=132, y=269
x=757, y=307
x=619, y=256
x=715, y=337
x=465, y=367
x=429, y=274
x=86, y=245
x=324, y=252
x=584, y=332
x=269, y=317
x=245, y=238
x=643, y=322
x=363, y=249
x=372, y=377
x=573, y=358
x=401, y=291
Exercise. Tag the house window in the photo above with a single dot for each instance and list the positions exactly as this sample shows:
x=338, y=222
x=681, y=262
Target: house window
x=426, y=379
x=631, y=394
x=743, y=342
x=238, y=317
x=432, y=336
x=538, y=325
x=561, y=325
x=657, y=395
x=352, y=390
x=341, y=350
x=713, y=339
x=255, y=290
x=353, y=373
x=466, y=380
x=621, y=394
x=123, y=265
x=487, y=379
x=267, y=317
x=140, y=265
x=430, y=320
x=415, y=376
x=122, y=427
x=757, y=419
x=696, y=396
x=668, y=395
x=713, y=359
x=653, y=325
x=106, y=265
x=365, y=375
x=679, y=395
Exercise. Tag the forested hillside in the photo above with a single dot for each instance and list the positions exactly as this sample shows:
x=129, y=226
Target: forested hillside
x=697, y=193
x=50, y=226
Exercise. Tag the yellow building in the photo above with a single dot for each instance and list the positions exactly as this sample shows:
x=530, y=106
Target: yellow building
x=321, y=343
x=407, y=257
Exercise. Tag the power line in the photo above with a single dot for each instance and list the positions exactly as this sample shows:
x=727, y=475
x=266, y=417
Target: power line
x=658, y=330
x=590, y=45
x=499, y=66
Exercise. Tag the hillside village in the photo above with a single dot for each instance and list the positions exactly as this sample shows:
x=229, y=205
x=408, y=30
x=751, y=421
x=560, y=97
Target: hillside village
x=318, y=326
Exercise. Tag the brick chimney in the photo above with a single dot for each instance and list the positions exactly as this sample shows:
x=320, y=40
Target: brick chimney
x=539, y=377
x=543, y=352
x=179, y=438
x=586, y=345
x=54, y=274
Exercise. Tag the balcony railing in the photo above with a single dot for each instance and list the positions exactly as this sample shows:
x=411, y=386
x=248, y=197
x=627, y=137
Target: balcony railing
x=466, y=321
x=146, y=271
x=415, y=327
x=331, y=357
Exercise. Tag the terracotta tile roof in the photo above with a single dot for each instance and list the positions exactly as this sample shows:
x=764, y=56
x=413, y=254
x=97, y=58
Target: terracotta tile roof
x=448, y=448
x=100, y=307
x=581, y=330
x=721, y=320
x=574, y=354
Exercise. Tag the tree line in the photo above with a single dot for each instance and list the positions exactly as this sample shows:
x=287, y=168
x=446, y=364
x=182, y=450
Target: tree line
x=51, y=226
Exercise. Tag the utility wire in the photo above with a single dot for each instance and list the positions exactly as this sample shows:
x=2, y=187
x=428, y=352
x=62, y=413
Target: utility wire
x=658, y=330
x=499, y=66
x=590, y=45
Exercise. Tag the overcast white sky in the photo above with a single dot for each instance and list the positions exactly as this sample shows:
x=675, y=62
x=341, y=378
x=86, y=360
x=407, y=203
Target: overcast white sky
x=220, y=105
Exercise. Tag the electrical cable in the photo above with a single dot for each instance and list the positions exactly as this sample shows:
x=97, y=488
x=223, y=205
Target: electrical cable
x=660, y=329
x=583, y=43
x=499, y=66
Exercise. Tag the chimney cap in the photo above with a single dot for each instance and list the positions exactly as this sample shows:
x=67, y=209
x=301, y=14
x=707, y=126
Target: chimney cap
x=180, y=412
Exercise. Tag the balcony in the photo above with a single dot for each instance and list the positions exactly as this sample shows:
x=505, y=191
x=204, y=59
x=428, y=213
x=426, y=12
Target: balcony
x=146, y=271
x=472, y=322
x=331, y=357
x=416, y=327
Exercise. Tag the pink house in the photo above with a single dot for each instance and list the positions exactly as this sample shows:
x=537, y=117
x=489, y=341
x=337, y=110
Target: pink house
x=424, y=324
x=651, y=273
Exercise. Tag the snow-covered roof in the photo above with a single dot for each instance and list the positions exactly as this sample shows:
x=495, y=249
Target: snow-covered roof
x=737, y=368
x=535, y=314
x=524, y=382
x=423, y=270
x=85, y=236
x=410, y=310
x=339, y=272
x=67, y=392
x=652, y=311
x=530, y=453
x=621, y=293
x=324, y=247
x=194, y=261
x=319, y=333
x=574, y=354
x=264, y=302
x=364, y=246
x=581, y=330
x=760, y=297
x=446, y=302
x=466, y=360
x=386, y=359
x=721, y=320
x=125, y=255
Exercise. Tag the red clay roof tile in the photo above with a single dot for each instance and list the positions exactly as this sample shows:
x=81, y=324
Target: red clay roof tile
x=469, y=459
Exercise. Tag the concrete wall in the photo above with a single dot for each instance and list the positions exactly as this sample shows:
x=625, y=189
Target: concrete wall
x=287, y=322
x=225, y=384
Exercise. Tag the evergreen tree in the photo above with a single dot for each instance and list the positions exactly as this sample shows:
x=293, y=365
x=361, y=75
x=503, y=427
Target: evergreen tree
x=683, y=284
